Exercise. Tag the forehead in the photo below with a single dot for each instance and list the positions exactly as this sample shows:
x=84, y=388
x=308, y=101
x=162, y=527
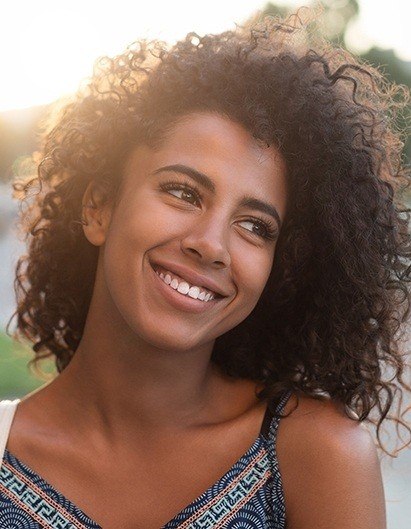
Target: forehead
x=225, y=151
x=217, y=134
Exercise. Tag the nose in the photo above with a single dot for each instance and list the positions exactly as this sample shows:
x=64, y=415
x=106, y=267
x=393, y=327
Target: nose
x=207, y=241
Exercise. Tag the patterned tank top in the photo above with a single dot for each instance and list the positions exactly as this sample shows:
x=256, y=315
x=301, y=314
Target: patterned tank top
x=249, y=495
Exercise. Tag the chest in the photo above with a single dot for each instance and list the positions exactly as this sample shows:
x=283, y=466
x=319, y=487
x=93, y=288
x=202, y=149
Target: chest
x=146, y=496
x=135, y=491
x=145, y=499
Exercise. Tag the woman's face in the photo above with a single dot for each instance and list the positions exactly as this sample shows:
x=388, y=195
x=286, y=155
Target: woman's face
x=192, y=211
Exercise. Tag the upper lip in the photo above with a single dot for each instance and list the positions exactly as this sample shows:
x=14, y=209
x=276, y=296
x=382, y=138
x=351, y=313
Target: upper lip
x=192, y=277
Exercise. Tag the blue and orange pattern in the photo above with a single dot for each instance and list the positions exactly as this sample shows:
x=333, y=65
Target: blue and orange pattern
x=248, y=496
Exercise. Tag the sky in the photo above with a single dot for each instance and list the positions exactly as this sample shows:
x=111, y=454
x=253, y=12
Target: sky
x=48, y=47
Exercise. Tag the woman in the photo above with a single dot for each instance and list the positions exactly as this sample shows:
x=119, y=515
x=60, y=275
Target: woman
x=215, y=244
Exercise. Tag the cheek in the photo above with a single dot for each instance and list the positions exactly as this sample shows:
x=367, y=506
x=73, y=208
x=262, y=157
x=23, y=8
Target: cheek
x=135, y=229
x=130, y=234
x=139, y=225
x=252, y=272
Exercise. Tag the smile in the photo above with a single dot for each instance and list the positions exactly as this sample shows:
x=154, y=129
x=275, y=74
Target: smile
x=181, y=295
x=183, y=287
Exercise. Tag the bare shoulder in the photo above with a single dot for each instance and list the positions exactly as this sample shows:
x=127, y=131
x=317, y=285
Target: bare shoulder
x=329, y=467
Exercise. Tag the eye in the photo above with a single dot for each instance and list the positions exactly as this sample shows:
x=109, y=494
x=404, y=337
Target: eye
x=267, y=229
x=185, y=190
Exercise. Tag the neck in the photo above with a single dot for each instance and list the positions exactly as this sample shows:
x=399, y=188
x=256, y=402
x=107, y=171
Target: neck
x=119, y=385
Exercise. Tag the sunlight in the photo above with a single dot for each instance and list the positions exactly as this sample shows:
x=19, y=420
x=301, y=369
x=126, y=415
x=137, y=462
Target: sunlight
x=47, y=48
x=49, y=59
x=385, y=25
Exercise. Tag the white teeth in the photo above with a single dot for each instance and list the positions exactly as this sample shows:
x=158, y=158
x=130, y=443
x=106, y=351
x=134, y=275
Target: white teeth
x=194, y=292
x=184, y=288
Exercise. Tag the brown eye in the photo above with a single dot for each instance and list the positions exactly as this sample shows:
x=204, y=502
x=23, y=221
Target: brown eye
x=266, y=229
x=185, y=190
x=186, y=194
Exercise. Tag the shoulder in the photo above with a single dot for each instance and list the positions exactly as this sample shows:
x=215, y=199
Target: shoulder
x=329, y=467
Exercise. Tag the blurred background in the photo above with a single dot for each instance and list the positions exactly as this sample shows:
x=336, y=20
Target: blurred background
x=47, y=48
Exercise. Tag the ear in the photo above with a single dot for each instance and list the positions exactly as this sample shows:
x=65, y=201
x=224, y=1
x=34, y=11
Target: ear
x=96, y=213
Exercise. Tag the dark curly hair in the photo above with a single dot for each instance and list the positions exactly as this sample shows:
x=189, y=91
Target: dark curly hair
x=330, y=319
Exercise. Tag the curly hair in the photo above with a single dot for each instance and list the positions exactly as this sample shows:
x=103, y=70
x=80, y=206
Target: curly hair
x=330, y=317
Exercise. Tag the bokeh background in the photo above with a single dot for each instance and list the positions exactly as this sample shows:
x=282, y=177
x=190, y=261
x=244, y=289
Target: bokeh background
x=47, y=48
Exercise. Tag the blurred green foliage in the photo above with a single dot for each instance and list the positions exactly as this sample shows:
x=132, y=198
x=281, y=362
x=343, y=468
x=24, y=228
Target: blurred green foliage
x=333, y=23
x=16, y=379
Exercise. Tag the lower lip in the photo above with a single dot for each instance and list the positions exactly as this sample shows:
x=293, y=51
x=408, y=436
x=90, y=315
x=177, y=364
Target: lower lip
x=181, y=301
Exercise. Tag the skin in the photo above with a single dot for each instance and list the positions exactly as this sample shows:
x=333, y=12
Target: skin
x=143, y=394
x=140, y=403
x=340, y=486
x=162, y=362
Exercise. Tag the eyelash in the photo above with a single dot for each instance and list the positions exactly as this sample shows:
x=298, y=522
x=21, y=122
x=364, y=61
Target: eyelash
x=270, y=228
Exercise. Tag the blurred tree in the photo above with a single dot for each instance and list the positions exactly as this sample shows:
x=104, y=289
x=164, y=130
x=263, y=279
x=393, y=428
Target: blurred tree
x=333, y=23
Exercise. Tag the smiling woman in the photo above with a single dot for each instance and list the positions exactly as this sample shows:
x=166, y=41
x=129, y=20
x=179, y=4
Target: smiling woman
x=218, y=238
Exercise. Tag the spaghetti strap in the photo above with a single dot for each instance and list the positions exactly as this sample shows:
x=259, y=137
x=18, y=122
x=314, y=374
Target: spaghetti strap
x=250, y=490
x=276, y=485
x=272, y=434
x=283, y=401
x=7, y=411
x=271, y=411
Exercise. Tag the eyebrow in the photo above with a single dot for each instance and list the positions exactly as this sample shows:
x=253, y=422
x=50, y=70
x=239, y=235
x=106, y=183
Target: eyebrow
x=207, y=183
